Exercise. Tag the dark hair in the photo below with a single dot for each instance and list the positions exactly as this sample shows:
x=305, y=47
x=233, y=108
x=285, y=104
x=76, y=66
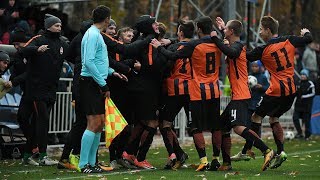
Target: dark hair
x=236, y=26
x=205, y=24
x=271, y=23
x=187, y=27
x=123, y=30
x=162, y=29
x=100, y=13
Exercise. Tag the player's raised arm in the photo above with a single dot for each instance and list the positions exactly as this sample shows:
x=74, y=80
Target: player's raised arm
x=303, y=40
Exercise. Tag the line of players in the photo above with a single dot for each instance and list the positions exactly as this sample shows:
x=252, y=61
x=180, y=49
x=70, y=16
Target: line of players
x=186, y=74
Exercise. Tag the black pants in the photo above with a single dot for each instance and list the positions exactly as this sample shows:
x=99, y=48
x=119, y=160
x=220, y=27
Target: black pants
x=73, y=141
x=305, y=116
x=41, y=112
x=27, y=123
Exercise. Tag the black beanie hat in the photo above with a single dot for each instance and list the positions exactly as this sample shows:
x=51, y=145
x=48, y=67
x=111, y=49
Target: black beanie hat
x=50, y=20
x=4, y=56
x=112, y=23
x=144, y=24
x=18, y=35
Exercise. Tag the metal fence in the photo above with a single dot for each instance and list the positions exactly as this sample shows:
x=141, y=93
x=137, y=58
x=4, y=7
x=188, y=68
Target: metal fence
x=63, y=115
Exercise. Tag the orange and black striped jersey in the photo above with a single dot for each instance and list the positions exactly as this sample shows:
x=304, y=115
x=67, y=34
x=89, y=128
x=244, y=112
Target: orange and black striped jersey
x=278, y=58
x=177, y=82
x=237, y=69
x=204, y=58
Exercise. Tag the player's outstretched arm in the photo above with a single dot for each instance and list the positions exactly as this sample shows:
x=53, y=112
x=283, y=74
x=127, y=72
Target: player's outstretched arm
x=303, y=40
x=184, y=52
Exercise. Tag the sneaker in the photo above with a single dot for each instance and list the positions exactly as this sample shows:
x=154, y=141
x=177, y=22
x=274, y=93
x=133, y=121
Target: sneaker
x=114, y=164
x=240, y=157
x=172, y=159
x=225, y=167
x=128, y=157
x=268, y=156
x=89, y=169
x=184, y=157
x=203, y=166
x=65, y=164
x=46, y=161
x=30, y=161
x=214, y=165
x=278, y=160
x=74, y=160
x=143, y=164
x=125, y=164
x=103, y=167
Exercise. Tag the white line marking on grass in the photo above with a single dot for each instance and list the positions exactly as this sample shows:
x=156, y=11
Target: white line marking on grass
x=135, y=171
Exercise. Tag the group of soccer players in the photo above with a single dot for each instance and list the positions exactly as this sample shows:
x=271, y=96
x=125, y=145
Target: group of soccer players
x=157, y=77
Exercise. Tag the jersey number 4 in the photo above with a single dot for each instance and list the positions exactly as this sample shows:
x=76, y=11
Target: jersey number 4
x=277, y=58
x=210, y=63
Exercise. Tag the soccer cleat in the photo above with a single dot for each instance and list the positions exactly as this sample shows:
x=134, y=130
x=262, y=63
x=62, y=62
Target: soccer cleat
x=268, y=156
x=30, y=161
x=172, y=159
x=74, y=160
x=278, y=160
x=46, y=161
x=202, y=167
x=225, y=167
x=183, y=158
x=128, y=157
x=240, y=157
x=114, y=164
x=65, y=164
x=143, y=164
x=103, y=167
x=214, y=165
x=125, y=164
x=89, y=169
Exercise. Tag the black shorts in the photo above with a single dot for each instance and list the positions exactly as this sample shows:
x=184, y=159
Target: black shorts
x=205, y=115
x=274, y=106
x=143, y=106
x=235, y=114
x=172, y=105
x=91, y=99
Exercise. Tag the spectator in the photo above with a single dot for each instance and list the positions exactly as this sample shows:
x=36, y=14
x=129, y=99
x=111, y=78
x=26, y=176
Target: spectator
x=303, y=104
x=4, y=61
x=309, y=60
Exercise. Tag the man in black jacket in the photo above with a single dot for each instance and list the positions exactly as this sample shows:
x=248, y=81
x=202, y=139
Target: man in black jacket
x=25, y=113
x=46, y=55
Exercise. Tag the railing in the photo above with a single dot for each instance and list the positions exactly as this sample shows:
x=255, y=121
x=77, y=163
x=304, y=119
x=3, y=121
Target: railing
x=63, y=114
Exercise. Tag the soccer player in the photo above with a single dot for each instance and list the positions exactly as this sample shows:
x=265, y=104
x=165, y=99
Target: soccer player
x=256, y=93
x=236, y=113
x=119, y=95
x=144, y=92
x=93, y=87
x=177, y=96
x=204, y=92
x=112, y=27
x=277, y=55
